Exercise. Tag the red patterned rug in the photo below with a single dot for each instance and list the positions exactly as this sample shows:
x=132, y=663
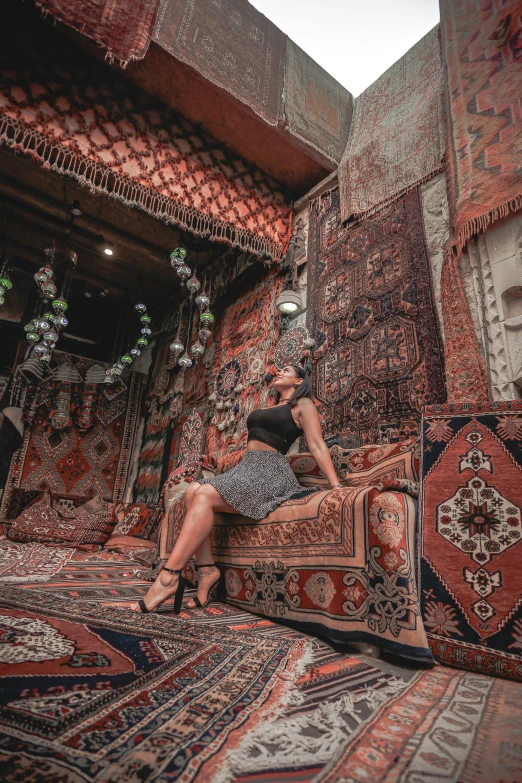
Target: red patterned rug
x=93, y=693
x=472, y=536
x=482, y=48
x=445, y=727
x=121, y=27
x=371, y=312
x=74, y=461
x=397, y=136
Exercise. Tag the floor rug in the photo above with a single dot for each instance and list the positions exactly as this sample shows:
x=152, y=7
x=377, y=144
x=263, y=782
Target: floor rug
x=92, y=693
x=397, y=136
x=472, y=536
x=444, y=727
x=378, y=358
x=31, y=562
x=482, y=46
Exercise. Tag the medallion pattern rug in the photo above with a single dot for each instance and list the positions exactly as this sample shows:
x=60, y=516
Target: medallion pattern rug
x=93, y=693
x=472, y=536
x=378, y=358
x=482, y=47
x=397, y=136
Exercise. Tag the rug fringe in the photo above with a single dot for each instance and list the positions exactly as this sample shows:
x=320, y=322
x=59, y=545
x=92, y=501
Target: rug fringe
x=479, y=224
x=101, y=179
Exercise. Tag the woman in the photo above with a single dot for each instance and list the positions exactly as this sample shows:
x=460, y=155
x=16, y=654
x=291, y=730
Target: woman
x=258, y=485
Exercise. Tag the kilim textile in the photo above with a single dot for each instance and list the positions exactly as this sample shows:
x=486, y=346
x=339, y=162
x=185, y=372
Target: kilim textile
x=445, y=726
x=79, y=120
x=378, y=358
x=69, y=461
x=245, y=340
x=31, y=562
x=122, y=27
x=97, y=693
x=231, y=44
x=339, y=563
x=466, y=378
x=472, y=536
x=482, y=50
x=397, y=136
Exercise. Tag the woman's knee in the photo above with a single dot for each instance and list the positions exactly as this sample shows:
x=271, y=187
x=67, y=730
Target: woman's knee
x=190, y=492
x=205, y=495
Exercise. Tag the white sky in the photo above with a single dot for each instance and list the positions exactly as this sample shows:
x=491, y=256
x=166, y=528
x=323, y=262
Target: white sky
x=354, y=40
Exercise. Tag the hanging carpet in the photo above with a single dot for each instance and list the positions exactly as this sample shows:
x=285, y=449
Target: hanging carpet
x=69, y=461
x=397, y=136
x=378, y=358
x=95, y=693
x=75, y=118
x=482, y=50
x=121, y=27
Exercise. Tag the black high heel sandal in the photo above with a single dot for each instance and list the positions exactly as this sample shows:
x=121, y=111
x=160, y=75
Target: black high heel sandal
x=178, y=595
x=212, y=593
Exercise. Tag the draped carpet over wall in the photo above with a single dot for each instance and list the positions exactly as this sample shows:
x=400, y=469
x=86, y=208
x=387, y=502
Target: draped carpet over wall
x=78, y=119
x=378, y=358
x=70, y=461
x=397, y=134
x=482, y=49
x=472, y=531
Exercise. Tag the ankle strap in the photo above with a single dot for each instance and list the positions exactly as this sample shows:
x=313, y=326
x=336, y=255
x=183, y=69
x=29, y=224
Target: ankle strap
x=172, y=570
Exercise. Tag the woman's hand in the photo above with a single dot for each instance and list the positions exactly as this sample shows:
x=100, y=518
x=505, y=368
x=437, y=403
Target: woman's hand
x=310, y=423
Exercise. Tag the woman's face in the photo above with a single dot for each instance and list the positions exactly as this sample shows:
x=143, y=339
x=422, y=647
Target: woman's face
x=286, y=379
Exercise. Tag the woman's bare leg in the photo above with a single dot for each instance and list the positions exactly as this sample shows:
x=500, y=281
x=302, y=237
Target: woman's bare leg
x=196, y=528
x=203, y=555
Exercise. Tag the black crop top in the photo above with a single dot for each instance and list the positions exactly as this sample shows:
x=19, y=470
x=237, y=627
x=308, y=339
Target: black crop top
x=274, y=426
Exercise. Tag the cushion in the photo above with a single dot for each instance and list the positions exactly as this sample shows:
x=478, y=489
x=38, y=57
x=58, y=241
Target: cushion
x=139, y=520
x=45, y=522
x=134, y=548
x=20, y=498
x=365, y=466
x=182, y=476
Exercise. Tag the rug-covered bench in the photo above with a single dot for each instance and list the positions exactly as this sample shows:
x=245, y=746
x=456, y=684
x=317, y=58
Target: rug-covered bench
x=341, y=562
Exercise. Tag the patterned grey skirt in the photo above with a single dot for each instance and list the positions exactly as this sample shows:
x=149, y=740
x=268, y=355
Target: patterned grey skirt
x=259, y=484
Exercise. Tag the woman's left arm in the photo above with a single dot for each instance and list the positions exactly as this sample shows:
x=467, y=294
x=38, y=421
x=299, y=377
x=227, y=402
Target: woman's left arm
x=311, y=426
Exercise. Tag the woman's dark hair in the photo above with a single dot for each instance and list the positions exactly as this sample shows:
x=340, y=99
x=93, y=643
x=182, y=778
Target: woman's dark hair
x=303, y=390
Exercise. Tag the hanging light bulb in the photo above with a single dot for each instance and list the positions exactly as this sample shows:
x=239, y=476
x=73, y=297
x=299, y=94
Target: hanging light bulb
x=204, y=335
x=60, y=306
x=146, y=331
x=145, y=320
x=197, y=349
x=48, y=289
x=202, y=302
x=126, y=359
x=177, y=346
x=206, y=318
x=185, y=362
x=193, y=284
x=184, y=272
x=135, y=352
x=50, y=338
x=140, y=308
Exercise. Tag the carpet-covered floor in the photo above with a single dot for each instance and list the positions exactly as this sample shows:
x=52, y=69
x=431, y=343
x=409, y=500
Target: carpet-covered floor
x=90, y=692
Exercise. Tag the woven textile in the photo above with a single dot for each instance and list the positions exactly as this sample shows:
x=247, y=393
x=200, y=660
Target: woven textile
x=31, y=562
x=466, y=379
x=245, y=341
x=75, y=118
x=445, y=726
x=339, y=563
x=482, y=44
x=121, y=27
x=46, y=522
x=232, y=45
x=378, y=358
x=472, y=530
x=97, y=693
x=70, y=461
x=397, y=136
x=140, y=520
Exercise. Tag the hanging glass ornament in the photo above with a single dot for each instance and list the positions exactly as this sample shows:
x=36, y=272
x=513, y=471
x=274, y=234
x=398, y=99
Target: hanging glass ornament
x=197, y=349
x=146, y=331
x=50, y=338
x=60, y=305
x=204, y=335
x=145, y=319
x=178, y=254
x=206, y=318
x=185, y=362
x=135, y=352
x=126, y=359
x=5, y=283
x=40, y=278
x=193, y=284
x=61, y=322
x=47, y=271
x=202, y=302
x=49, y=289
x=177, y=346
x=119, y=365
x=140, y=308
x=41, y=349
x=32, y=337
x=109, y=379
x=2, y=298
x=49, y=317
x=184, y=272
x=116, y=370
x=142, y=342
x=29, y=327
x=40, y=325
